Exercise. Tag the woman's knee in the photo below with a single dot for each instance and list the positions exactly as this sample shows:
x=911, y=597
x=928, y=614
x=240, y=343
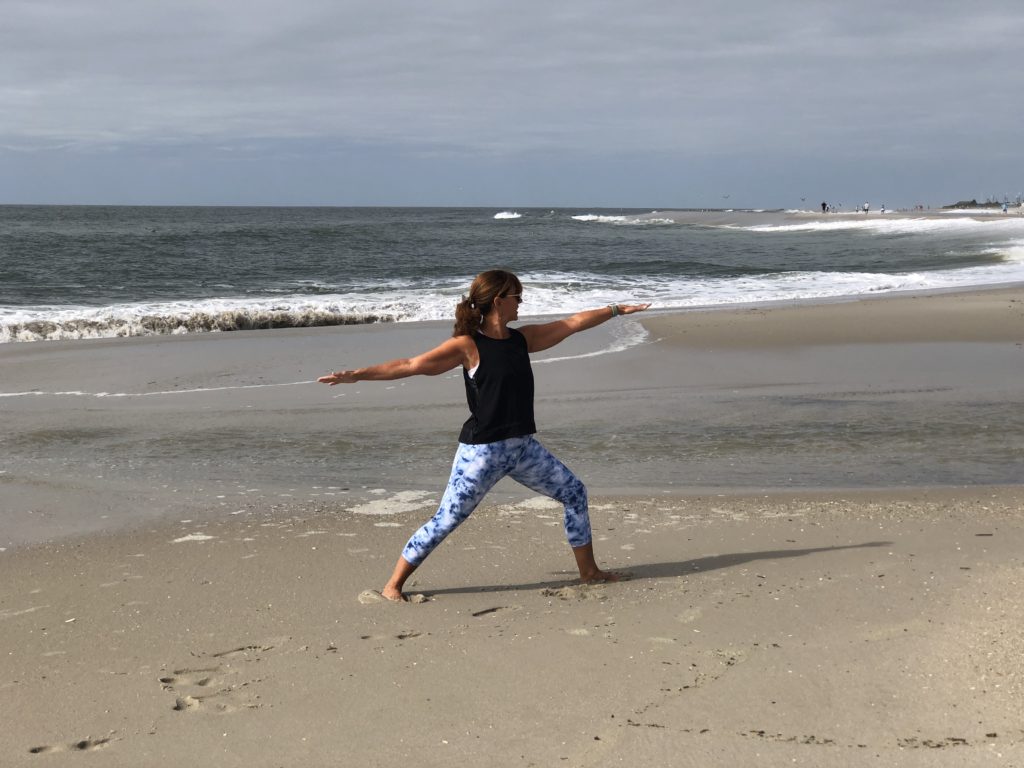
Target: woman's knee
x=572, y=493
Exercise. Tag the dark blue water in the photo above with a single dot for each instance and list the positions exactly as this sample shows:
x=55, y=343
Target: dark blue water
x=78, y=271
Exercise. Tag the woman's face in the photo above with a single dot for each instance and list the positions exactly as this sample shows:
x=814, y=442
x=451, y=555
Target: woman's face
x=509, y=305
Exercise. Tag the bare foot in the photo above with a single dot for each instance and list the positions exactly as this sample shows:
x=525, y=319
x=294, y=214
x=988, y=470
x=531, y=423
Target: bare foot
x=371, y=596
x=599, y=575
x=394, y=595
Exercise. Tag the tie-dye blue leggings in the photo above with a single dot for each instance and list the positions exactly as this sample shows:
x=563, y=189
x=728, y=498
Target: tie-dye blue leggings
x=475, y=471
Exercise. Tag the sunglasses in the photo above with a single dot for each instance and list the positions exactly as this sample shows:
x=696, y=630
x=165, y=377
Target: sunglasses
x=517, y=296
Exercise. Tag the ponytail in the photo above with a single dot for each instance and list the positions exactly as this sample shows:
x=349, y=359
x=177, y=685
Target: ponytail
x=468, y=318
x=486, y=287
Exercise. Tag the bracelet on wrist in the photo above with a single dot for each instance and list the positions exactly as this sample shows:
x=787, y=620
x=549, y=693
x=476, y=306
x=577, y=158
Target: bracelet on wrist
x=615, y=309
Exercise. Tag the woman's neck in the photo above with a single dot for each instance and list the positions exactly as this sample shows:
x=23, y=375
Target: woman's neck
x=494, y=327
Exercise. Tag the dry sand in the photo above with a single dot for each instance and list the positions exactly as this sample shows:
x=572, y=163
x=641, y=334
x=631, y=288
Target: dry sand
x=839, y=628
x=852, y=629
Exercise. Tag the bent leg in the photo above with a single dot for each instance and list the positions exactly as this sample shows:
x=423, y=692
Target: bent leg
x=539, y=470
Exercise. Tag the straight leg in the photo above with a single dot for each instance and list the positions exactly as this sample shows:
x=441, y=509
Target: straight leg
x=475, y=471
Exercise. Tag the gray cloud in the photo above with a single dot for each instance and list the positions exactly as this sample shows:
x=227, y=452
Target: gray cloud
x=511, y=82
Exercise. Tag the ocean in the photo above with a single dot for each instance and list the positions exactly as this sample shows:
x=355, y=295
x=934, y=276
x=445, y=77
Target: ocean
x=76, y=272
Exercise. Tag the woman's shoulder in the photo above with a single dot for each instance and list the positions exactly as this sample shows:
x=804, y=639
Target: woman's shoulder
x=524, y=333
x=518, y=337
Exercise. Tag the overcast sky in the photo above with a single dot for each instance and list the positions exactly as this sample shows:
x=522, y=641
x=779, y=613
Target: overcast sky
x=394, y=102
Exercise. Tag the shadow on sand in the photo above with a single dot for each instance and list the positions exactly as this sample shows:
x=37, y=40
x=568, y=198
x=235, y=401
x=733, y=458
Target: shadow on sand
x=664, y=570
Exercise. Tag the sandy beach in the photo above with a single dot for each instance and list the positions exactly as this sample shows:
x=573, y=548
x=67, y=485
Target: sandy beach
x=819, y=506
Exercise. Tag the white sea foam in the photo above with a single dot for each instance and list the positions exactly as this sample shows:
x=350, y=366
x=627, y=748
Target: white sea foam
x=1012, y=252
x=508, y=215
x=600, y=218
x=982, y=211
x=624, y=336
x=545, y=293
x=639, y=220
x=169, y=318
x=797, y=220
x=894, y=226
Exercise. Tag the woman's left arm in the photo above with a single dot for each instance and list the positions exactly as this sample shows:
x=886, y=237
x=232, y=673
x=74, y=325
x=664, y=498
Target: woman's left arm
x=546, y=335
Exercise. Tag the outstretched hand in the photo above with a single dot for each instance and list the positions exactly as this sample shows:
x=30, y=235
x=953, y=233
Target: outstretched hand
x=629, y=309
x=338, y=377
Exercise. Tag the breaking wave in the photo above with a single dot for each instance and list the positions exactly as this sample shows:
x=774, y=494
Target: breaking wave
x=105, y=324
x=634, y=219
x=894, y=225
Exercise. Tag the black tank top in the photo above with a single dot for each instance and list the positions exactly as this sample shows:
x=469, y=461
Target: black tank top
x=500, y=392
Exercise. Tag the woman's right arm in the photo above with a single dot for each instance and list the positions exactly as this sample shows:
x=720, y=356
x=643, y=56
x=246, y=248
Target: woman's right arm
x=441, y=359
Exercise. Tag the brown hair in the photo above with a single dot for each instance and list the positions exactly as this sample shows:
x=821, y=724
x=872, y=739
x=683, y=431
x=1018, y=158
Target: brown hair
x=486, y=287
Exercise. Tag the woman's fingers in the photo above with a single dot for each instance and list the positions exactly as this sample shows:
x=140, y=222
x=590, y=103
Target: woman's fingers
x=629, y=309
x=335, y=377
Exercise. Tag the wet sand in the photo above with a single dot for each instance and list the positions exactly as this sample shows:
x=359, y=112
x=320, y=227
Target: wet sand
x=894, y=392
x=157, y=611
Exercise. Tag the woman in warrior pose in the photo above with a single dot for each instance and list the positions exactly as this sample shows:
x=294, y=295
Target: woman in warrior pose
x=497, y=439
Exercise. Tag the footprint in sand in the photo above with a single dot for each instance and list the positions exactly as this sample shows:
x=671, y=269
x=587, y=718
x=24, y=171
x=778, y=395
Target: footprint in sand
x=196, y=703
x=581, y=592
x=182, y=703
x=85, y=745
x=198, y=677
x=191, y=700
x=243, y=650
x=210, y=689
x=409, y=635
x=495, y=609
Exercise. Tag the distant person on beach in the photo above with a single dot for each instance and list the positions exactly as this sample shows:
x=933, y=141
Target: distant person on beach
x=824, y=207
x=497, y=439
x=866, y=207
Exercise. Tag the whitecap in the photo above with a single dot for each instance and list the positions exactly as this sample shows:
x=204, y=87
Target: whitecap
x=635, y=220
x=602, y=219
